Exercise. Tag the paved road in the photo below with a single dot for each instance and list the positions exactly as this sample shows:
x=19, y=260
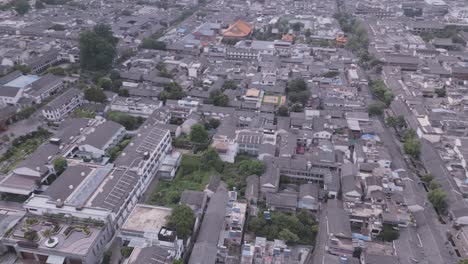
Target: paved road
x=322, y=237
x=430, y=233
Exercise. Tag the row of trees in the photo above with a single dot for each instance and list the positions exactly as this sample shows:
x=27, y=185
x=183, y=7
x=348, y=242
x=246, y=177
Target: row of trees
x=383, y=95
x=436, y=195
x=358, y=40
x=411, y=144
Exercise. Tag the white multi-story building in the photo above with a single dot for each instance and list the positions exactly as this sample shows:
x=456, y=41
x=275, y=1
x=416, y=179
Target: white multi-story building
x=58, y=108
x=135, y=106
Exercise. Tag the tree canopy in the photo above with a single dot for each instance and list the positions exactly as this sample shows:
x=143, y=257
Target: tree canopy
x=297, y=91
x=211, y=160
x=95, y=94
x=229, y=85
x=97, y=48
x=438, y=198
x=181, y=219
x=217, y=98
x=198, y=134
x=282, y=111
x=60, y=164
x=22, y=7
x=172, y=91
x=376, y=108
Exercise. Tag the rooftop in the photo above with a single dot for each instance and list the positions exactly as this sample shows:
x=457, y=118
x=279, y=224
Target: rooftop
x=145, y=218
x=22, y=81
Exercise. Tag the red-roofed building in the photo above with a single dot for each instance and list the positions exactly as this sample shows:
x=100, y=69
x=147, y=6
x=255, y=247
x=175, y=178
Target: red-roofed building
x=238, y=30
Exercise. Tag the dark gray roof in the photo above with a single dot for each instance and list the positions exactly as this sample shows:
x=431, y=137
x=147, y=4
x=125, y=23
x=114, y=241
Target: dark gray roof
x=153, y=255
x=72, y=176
x=214, y=218
x=251, y=191
x=214, y=183
x=308, y=189
x=46, y=81
x=64, y=98
x=338, y=219
x=9, y=77
x=9, y=91
x=102, y=134
x=281, y=199
x=193, y=198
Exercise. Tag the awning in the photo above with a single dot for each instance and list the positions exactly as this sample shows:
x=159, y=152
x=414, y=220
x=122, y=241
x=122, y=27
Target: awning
x=53, y=259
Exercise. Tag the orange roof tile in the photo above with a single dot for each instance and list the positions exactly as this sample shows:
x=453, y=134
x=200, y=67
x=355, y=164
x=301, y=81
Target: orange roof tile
x=239, y=29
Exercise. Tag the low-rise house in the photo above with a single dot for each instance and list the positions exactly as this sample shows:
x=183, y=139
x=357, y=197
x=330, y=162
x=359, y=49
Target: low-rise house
x=67, y=102
x=93, y=146
x=285, y=202
x=208, y=245
x=46, y=86
x=135, y=106
x=169, y=165
x=308, y=196
x=146, y=226
x=197, y=201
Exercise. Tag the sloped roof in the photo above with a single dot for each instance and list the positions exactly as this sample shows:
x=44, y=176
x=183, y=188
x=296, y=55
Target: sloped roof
x=238, y=29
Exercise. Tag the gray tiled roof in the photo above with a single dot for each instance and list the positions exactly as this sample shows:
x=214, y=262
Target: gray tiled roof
x=63, y=98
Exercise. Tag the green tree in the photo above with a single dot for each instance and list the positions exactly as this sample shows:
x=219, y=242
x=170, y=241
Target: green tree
x=427, y=178
x=126, y=251
x=97, y=48
x=463, y=261
x=217, y=98
x=409, y=134
x=39, y=5
x=104, y=83
x=251, y=166
x=441, y=92
x=114, y=75
x=198, y=134
x=211, y=160
x=25, y=69
x=391, y=121
x=297, y=107
x=438, y=198
x=60, y=164
x=22, y=7
x=412, y=147
x=59, y=71
x=95, y=94
x=288, y=236
x=150, y=43
x=48, y=234
x=297, y=26
x=434, y=184
x=181, y=219
x=376, y=108
x=172, y=91
x=123, y=93
x=401, y=122
x=389, y=233
x=212, y=123
x=229, y=85
x=282, y=111
x=128, y=121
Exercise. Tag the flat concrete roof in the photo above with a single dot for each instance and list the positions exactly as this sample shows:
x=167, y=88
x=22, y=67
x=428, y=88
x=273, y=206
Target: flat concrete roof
x=145, y=218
